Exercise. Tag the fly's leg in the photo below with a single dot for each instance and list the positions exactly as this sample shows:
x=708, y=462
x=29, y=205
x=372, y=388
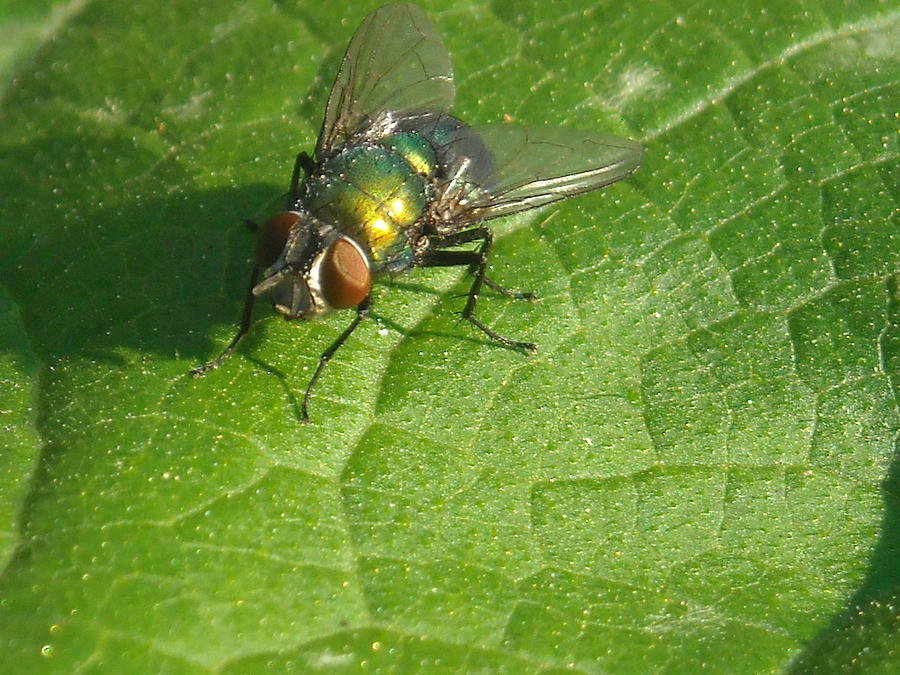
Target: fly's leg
x=485, y=235
x=242, y=330
x=475, y=259
x=305, y=164
x=477, y=263
x=515, y=295
x=362, y=311
x=487, y=238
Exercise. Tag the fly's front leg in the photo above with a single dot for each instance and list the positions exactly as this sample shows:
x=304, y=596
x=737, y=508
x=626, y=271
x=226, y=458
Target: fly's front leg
x=305, y=164
x=243, y=329
x=477, y=263
x=362, y=311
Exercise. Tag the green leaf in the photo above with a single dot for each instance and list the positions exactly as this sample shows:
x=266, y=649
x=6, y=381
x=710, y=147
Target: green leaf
x=699, y=468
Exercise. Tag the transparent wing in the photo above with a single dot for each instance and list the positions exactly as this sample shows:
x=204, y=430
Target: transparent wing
x=497, y=170
x=395, y=61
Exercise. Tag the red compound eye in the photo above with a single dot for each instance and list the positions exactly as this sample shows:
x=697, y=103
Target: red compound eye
x=272, y=236
x=345, y=274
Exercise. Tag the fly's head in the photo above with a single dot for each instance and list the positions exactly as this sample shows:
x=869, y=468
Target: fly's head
x=309, y=268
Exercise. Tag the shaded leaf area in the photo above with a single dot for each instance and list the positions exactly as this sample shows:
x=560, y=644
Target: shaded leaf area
x=698, y=467
x=19, y=389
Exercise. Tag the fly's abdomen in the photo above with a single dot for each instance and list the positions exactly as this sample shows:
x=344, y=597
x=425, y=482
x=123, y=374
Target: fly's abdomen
x=374, y=193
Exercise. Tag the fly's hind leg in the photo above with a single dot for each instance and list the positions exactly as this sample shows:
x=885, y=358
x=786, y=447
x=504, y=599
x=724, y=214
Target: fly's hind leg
x=434, y=256
x=515, y=295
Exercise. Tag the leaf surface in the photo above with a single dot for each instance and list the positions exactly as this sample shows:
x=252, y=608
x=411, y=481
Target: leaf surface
x=699, y=466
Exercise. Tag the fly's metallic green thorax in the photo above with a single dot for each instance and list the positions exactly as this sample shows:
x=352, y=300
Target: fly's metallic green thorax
x=375, y=191
x=377, y=186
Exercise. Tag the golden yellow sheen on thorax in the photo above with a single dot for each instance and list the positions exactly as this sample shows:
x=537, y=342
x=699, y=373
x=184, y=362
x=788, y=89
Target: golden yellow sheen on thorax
x=372, y=190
